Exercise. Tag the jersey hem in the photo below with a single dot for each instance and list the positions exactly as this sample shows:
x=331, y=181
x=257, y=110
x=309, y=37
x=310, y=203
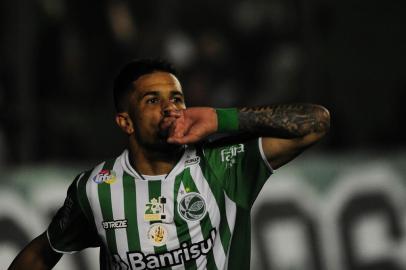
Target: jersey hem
x=57, y=250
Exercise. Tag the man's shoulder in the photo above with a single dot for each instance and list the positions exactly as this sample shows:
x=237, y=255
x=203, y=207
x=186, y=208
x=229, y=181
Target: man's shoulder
x=101, y=172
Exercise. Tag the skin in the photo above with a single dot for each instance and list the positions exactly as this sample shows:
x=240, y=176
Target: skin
x=158, y=124
x=154, y=104
x=287, y=130
x=37, y=255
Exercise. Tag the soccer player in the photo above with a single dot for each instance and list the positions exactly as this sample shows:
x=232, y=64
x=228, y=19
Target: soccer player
x=173, y=200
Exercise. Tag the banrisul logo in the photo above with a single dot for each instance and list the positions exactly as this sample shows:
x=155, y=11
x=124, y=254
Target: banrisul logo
x=192, y=207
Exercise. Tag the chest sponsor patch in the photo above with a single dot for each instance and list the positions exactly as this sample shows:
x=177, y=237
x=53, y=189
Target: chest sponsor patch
x=186, y=252
x=157, y=234
x=229, y=154
x=155, y=209
x=114, y=224
x=192, y=161
x=105, y=176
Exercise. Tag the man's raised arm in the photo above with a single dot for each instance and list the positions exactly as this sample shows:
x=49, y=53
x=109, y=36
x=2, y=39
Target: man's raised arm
x=286, y=129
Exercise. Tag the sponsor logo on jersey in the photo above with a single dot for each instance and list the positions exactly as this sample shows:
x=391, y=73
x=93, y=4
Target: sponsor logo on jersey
x=115, y=224
x=155, y=209
x=192, y=207
x=192, y=161
x=157, y=234
x=186, y=252
x=228, y=154
x=105, y=176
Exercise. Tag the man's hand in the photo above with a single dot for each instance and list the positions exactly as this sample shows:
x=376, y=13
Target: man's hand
x=191, y=125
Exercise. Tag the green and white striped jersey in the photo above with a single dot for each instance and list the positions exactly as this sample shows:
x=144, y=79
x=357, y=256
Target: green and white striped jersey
x=196, y=217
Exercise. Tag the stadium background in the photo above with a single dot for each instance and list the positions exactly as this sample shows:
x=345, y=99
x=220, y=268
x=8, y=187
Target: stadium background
x=342, y=205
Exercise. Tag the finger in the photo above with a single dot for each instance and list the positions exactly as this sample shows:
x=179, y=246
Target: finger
x=173, y=113
x=188, y=139
x=178, y=128
x=166, y=122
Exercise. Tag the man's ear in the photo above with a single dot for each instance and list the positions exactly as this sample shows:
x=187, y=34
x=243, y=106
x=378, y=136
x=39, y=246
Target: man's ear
x=124, y=121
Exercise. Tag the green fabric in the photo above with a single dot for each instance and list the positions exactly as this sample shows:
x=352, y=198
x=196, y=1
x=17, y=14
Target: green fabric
x=217, y=190
x=82, y=197
x=229, y=178
x=241, y=170
x=227, y=120
x=240, y=249
x=154, y=190
x=70, y=230
x=182, y=229
x=205, y=224
x=130, y=210
x=107, y=208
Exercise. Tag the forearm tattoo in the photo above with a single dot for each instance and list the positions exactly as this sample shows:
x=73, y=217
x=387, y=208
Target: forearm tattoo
x=286, y=121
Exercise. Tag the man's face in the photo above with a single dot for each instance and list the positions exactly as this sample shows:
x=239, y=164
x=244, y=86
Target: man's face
x=153, y=94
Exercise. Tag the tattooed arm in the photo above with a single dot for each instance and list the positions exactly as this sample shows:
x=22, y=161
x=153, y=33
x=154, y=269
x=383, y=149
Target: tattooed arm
x=286, y=129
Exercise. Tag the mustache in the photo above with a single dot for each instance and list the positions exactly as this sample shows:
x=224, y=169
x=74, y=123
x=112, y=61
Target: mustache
x=163, y=133
x=164, y=126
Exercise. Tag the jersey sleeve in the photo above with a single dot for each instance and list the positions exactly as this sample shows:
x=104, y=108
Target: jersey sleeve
x=242, y=168
x=70, y=230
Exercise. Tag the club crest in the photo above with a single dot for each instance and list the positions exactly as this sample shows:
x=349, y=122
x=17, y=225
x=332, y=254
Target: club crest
x=192, y=207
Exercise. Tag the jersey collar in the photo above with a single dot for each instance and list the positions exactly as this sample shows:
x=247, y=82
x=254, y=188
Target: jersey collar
x=125, y=163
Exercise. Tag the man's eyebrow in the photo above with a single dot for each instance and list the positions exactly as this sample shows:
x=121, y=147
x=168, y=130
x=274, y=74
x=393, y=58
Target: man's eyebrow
x=156, y=93
x=150, y=93
x=176, y=92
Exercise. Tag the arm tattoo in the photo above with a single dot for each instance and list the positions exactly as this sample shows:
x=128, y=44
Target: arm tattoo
x=285, y=121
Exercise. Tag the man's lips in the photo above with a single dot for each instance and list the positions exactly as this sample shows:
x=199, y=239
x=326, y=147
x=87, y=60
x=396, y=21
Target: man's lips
x=164, y=126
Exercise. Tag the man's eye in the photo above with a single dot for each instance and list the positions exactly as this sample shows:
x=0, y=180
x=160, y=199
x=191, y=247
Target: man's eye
x=177, y=100
x=152, y=100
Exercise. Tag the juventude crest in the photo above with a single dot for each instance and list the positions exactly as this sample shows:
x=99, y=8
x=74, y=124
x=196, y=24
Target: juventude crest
x=192, y=207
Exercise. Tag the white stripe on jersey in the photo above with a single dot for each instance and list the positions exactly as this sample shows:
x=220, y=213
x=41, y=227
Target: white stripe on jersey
x=93, y=196
x=231, y=213
x=117, y=201
x=213, y=211
x=195, y=233
x=167, y=191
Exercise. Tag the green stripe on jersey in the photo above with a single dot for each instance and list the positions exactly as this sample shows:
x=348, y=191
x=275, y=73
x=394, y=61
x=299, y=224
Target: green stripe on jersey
x=130, y=211
x=218, y=192
x=205, y=224
x=182, y=229
x=241, y=241
x=154, y=190
x=83, y=199
x=107, y=209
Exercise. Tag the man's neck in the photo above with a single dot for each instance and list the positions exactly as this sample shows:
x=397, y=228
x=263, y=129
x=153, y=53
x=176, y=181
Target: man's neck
x=153, y=161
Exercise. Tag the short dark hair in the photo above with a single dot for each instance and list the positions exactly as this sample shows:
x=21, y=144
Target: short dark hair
x=131, y=72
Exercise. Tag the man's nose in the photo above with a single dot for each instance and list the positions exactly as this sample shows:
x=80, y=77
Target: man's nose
x=167, y=107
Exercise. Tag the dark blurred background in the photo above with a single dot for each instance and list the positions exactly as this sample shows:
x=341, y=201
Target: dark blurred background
x=58, y=59
x=340, y=206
